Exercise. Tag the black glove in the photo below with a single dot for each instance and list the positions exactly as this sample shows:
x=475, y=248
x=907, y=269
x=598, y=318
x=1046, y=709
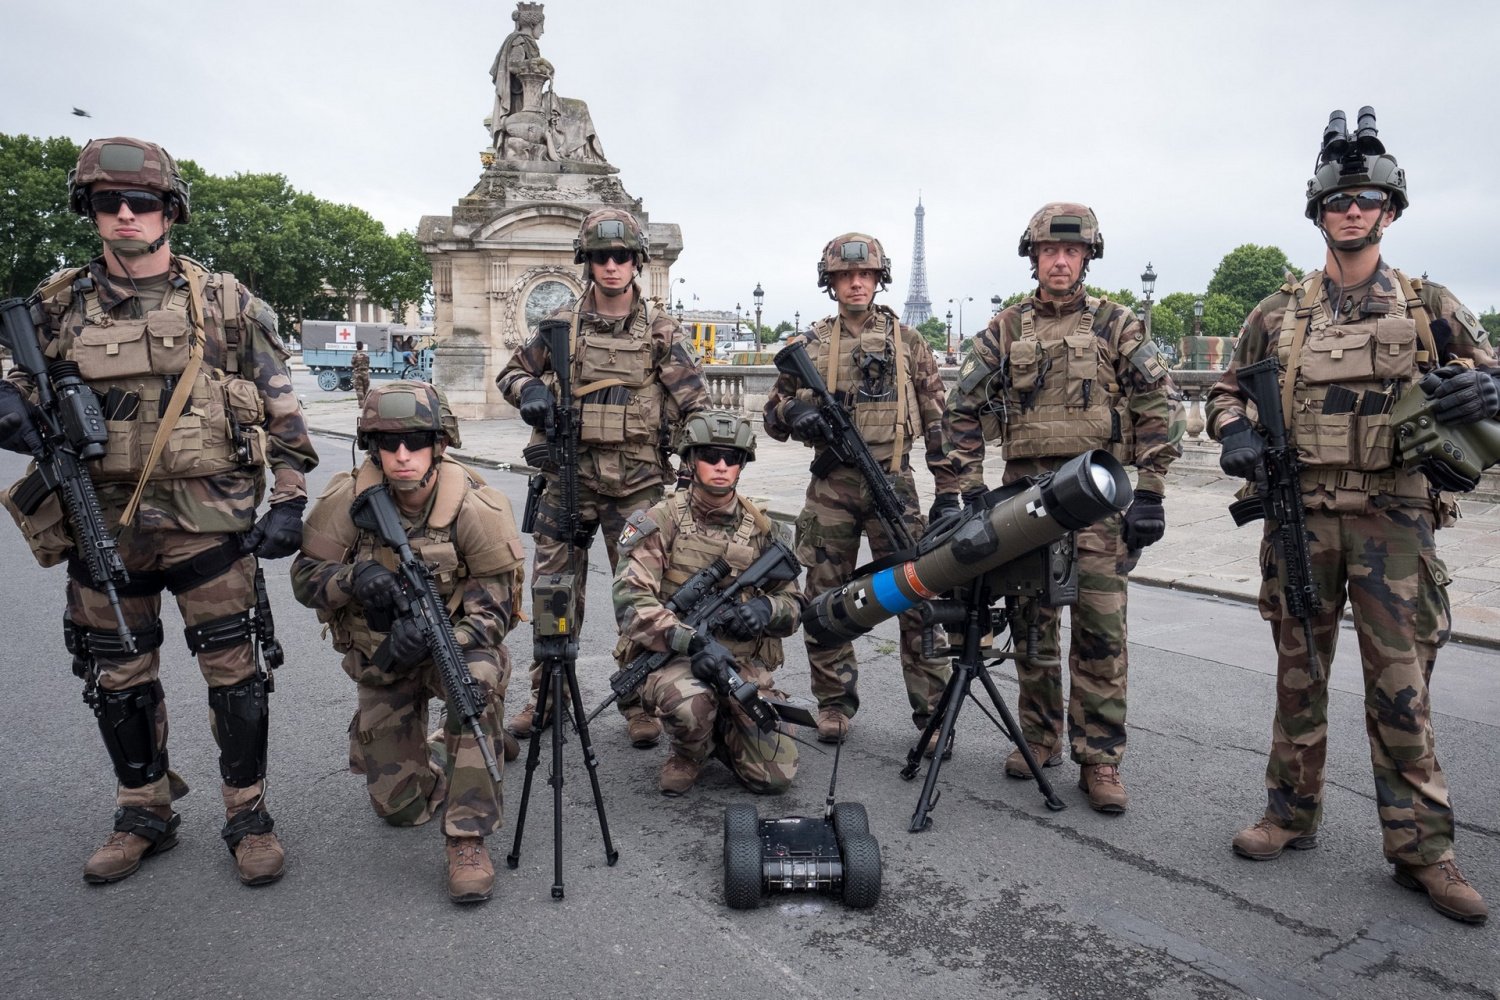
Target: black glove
x=746, y=621
x=407, y=644
x=279, y=531
x=1465, y=396
x=536, y=402
x=806, y=422
x=19, y=428
x=973, y=497
x=1145, y=521
x=1242, y=450
x=710, y=662
x=375, y=587
x=942, y=505
x=1443, y=476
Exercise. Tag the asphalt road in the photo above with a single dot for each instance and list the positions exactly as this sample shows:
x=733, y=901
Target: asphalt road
x=999, y=898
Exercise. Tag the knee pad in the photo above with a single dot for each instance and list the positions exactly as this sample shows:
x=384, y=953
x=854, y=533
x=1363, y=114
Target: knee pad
x=242, y=725
x=127, y=721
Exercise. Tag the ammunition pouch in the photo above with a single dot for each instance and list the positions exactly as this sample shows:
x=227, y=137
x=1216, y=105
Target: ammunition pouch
x=241, y=720
x=127, y=721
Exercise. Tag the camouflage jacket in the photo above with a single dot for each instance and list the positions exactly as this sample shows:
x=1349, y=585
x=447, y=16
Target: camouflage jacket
x=208, y=504
x=360, y=364
x=926, y=384
x=1149, y=422
x=646, y=558
x=673, y=366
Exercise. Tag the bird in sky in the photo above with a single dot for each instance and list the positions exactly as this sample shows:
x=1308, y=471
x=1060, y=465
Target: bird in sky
x=81, y=113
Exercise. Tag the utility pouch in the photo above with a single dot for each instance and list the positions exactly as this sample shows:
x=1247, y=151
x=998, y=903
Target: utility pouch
x=1025, y=365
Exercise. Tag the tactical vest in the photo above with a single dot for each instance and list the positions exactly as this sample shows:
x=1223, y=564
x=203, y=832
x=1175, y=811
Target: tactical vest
x=694, y=549
x=883, y=407
x=220, y=428
x=1340, y=383
x=619, y=395
x=1062, y=396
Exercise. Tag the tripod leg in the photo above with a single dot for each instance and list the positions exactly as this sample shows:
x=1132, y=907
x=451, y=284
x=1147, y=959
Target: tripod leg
x=957, y=690
x=556, y=717
x=590, y=761
x=914, y=755
x=533, y=754
x=1049, y=796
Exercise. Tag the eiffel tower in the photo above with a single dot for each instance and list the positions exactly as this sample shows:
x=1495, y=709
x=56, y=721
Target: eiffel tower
x=918, y=304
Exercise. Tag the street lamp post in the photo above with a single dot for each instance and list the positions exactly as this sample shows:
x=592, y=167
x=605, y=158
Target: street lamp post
x=996, y=304
x=760, y=298
x=1148, y=284
x=679, y=310
x=961, y=300
x=737, y=311
x=949, y=340
x=797, y=322
x=1198, y=317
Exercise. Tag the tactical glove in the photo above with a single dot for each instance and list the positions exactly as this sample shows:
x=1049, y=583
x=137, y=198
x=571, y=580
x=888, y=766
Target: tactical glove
x=19, y=428
x=407, y=644
x=1145, y=521
x=375, y=587
x=1443, y=476
x=972, y=498
x=1242, y=450
x=942, y=505
x=806, y=422
x=746, y=621
x=536, y=402
x=711, y=663
x=279, y=531
x=1464, y=396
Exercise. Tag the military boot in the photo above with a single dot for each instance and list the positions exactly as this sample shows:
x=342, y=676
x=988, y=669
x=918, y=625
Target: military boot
x=644, y=730
x=1102, y=782
x=471, y=874
x=509, y=748
x=138, y=834
x=520, y=723
x=1266, y=840
x=257, y=853
x=833, y=725
x=677, y=775
x=1015, y=764
x=1447, y=890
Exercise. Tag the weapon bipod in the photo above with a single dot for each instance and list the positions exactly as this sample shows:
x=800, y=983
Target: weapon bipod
x=560, y=671
x=977, y=619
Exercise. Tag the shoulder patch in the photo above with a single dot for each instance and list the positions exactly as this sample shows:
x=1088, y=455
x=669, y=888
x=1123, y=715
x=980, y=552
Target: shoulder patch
x=637, y=527
x=972, y=372
x=265, y=317
x=1471, y=325
x=1147, y=360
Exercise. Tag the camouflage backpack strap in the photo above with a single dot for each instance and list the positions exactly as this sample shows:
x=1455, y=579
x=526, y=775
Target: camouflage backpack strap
x=61, y=281
x=753, y=521
x=1028, y=322
x=1418, y=310
x=1296, y=319
x=229, y=306
x=832, y=378
x=898, y=345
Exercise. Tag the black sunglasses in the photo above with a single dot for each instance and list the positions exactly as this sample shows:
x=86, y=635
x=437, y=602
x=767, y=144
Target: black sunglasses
x=619, y=255
x=392, y=441
x=713, y=456
x=140, y=202
x=1368, y=201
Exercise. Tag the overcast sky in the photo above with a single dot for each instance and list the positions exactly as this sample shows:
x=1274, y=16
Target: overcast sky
x=763, y=129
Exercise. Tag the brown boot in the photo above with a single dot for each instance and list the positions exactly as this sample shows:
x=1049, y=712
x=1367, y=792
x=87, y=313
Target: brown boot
x=138, y=834
x=510, y=748
x=520, y=723
x=257, y=852
x=1015, y=764
x=833, y=725
x=1447, y=890
x=1102, y=782
x=644, y=730
x=1266, y=840
x=471, y=874
x=677, y=775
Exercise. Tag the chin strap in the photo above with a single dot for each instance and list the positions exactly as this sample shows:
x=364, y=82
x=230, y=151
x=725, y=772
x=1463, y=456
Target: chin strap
x=407, y=485
x=136, y=248
x=1353, y=246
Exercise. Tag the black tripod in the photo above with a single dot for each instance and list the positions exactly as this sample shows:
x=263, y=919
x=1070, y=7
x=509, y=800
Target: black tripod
x=558, y=654
x=977, y=618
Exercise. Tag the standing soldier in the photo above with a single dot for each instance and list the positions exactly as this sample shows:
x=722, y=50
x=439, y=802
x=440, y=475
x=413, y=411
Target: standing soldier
x=635, y=380
x=1059, y=373
x=887, y=377
x=149, y=331
x=464, y=530
x=1349, y=338
x=359, y=365
x=663, y=548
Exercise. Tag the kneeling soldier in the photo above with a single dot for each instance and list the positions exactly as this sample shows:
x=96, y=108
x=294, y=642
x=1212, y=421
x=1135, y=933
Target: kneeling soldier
x=663, y=547
x=464, y=531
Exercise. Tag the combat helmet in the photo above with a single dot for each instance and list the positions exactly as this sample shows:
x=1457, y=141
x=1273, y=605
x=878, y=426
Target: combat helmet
x=406, y=406
x=611, y=229
x=853, y=252
x=124, y=160
x=1062, y=222
x=1354, y=160
x=716, y=429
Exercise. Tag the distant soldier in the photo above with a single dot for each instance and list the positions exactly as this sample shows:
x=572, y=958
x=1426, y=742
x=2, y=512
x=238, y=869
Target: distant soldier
x=464, y=530
x=192, y=381
x=635, y=380
x=886, y=375
x=1350, y=339
x=359, y=366
x=663, y=548
x=1057, y=374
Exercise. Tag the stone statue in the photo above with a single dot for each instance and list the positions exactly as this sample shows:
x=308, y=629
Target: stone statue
x=530, y=122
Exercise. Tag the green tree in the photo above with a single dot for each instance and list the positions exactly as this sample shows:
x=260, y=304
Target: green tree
x=934, y=331
x=1124, y=297
x=1249, y=273
x=38, y=233
x=1222, y=316
x=1491, y=322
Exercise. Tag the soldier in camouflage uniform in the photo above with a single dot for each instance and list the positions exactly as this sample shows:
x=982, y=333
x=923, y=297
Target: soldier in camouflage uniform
x=1350, y=338
x=463, y=529
x=180, y=484
x=886, y=375
x=635, y=378
x=1060, y=373
x=663, y=548
x=359, y=365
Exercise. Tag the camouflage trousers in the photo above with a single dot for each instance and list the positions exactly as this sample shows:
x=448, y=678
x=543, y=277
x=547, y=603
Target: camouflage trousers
x=702, y=724
x=229, y=593
x=837, y=510
x=555, y=556
x=1097, y=656
x=361, y=386
x=1385, y=566
x=407, y=782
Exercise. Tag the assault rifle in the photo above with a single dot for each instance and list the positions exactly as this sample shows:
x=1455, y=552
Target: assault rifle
x=72, y=432
x=697, y=603
x=375, y=510
x=1278, y=496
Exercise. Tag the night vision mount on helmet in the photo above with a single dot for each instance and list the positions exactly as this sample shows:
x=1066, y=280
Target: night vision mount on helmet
x=853, y=252
x=1355, y=159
